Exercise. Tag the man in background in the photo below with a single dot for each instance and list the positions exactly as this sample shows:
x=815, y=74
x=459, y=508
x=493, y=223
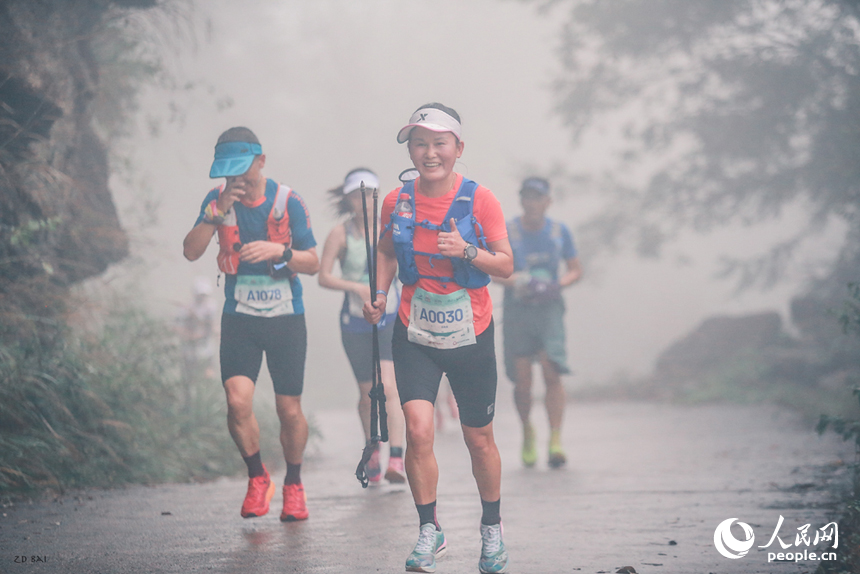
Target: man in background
x=533, y=324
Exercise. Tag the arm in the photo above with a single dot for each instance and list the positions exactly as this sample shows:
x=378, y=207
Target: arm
x=513, y=280
x=386, y=267
x=500, y=263
x=334, y=244
x=304, y=261
x=574, y=273
x=197, y=240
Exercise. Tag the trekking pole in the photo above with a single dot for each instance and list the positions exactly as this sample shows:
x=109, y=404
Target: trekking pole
x=380, y=388
x=376, y=388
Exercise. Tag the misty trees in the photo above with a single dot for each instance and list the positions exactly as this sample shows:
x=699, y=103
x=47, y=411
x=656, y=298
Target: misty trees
x=731, y=110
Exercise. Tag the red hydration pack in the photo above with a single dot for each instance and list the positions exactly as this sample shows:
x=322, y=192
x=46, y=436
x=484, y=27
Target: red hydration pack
x=277, y=230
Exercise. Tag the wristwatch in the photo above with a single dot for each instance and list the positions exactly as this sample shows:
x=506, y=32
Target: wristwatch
x=288, y=254
x=470, y=252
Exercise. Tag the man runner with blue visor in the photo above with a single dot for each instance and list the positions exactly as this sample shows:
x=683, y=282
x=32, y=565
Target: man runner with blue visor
x=265, y=241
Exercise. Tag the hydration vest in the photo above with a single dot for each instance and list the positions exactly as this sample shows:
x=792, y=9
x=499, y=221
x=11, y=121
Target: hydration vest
x=462, y=210
x=515, y=236
x=277, y=230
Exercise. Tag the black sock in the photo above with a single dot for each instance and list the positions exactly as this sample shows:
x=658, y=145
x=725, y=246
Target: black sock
x=255, y=465
x=294, y=474
x=427, y=514
x=491, y=512
x=396, y=451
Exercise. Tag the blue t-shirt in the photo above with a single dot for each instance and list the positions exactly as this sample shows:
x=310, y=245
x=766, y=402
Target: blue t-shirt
x=539, y=253
x=252, y=222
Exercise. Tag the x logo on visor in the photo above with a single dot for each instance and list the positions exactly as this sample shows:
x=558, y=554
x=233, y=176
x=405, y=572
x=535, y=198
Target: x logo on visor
x=422, y=118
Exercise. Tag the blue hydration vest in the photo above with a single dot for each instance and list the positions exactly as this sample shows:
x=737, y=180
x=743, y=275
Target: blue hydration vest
x=462, y=210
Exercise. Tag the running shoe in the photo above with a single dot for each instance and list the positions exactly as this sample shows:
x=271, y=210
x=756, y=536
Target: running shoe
x=430, y=546
x=295, y=507
x=529, y=453
x=372, y=468
x=260, y=492
x=494, y=557
x=557, y=458
x=395, y=473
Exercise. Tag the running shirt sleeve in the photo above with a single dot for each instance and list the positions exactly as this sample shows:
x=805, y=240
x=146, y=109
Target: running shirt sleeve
x=488, y=212
x=568, y=249
x=213, y=194
x=300, y=223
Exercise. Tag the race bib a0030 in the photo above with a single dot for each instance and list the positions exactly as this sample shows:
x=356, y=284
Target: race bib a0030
x=441, y=321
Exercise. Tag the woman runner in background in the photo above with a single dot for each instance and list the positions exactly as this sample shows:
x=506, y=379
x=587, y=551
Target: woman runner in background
x=446, y=236
x=346, y=243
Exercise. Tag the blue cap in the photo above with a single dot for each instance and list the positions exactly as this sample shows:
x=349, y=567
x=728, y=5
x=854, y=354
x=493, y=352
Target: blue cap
x=234, y=158
x=538, y=184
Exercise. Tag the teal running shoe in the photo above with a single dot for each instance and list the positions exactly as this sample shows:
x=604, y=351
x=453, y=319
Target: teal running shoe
x=494, y=557
x=430, y=546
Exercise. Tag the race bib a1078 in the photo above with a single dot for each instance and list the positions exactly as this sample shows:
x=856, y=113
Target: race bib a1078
x=263, y=296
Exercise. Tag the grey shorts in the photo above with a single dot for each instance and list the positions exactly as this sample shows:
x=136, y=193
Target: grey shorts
x=359, y=350
x=529, y=329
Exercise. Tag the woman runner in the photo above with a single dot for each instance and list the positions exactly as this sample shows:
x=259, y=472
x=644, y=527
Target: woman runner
x=445, y=236
x=346, y=243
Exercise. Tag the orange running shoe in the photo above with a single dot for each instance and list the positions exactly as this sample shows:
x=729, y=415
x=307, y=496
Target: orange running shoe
x=260, y=492
x=295, y=507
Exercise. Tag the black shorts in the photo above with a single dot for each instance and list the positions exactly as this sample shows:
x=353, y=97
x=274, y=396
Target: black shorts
x=471, y=371
x=359, y=350
x=284, y=339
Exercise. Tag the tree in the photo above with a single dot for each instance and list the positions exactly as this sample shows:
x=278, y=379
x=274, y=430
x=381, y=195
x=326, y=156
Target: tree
x=733, y=110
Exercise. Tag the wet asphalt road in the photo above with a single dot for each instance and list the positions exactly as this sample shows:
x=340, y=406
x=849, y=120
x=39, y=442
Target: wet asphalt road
x=645, y=487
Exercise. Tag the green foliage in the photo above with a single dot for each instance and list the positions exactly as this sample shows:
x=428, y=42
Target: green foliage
x=25, y=234
x=724, y=112
x=849, y=318
x=848, y=428
x=109, y=409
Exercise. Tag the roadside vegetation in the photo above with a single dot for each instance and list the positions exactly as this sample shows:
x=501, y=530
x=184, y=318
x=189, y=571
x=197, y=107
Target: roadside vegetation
x=848, y=427
x=109, y=405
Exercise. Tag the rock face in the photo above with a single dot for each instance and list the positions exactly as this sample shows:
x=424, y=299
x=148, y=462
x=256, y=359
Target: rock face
x=58, y=223
x=717, y=340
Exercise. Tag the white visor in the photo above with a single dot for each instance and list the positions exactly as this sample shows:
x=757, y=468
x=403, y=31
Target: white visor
x=432, y=119
x=353, y=181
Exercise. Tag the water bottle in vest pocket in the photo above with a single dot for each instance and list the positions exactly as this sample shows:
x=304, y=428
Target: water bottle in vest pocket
x=402, y=230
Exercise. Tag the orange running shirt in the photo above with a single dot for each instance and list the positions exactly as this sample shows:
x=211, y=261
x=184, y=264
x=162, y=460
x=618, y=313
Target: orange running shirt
x=488, y=212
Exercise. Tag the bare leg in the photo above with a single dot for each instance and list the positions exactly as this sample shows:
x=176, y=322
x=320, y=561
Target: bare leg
x=555, y=397
x=364, y=407
x=486, y=462
x=294, y=427
x=523, y=387
x=241, y=421
x=392, y=405
x=421, y=467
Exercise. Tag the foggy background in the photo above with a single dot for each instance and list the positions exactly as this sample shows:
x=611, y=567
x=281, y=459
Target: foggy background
x=327, y=84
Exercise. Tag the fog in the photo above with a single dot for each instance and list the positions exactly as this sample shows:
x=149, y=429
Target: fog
x=326, y=85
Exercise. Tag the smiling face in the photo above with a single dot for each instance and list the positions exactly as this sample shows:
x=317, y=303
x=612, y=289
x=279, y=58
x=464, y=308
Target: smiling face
x=433, y=154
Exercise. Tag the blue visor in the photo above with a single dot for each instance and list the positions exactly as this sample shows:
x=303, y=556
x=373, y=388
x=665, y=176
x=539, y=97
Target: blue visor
x=233, y=158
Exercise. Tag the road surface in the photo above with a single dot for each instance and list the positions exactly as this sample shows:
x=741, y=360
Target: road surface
x=646, y=486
